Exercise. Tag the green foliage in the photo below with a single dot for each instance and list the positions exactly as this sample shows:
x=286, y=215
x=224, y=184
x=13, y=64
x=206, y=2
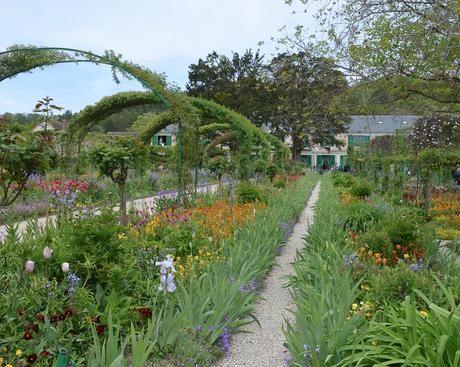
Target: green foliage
x=377, y=241
x=402, y=232
x=323, y=290
x=94, y=247
x=272, y=171
x=115, y=157
x=391, y=285
x=247, y=192
x=238, y=83
x=360, y=216
x=21, y=154
x=343, y=179
x=280, y=183
x=304, y=87
x=410, y=337
x=361, y=188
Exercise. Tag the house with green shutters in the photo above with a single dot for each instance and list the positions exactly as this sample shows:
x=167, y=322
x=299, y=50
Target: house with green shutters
x=360, y=133
x=165, y=137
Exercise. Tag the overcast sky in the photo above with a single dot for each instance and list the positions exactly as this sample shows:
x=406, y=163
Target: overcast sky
x=166, y=36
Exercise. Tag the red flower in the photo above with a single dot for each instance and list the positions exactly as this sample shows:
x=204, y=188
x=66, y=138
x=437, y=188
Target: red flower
x=45, y=353
x=27, y=336
x=100, y=329
x=54, y=318
x=40, y=317
x=32, y=358
x=145, y=311
x=35, y=327
x=67, y=312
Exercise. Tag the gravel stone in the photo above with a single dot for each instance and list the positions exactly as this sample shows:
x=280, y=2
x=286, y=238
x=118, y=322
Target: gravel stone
x=263, y=346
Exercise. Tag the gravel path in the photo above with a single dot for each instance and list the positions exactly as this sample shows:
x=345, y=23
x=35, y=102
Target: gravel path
x=141, y=204
x=263, y=346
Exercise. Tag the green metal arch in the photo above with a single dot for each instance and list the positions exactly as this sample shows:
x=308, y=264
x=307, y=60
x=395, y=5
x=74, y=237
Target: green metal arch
x=21, y=59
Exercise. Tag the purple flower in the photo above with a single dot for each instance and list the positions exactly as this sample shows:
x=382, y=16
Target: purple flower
x=225, y=341
x=73, y=282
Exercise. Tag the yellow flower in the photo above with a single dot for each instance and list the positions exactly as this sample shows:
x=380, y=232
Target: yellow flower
x=1, y=360
x=18, y=352
x=424, y=314
x=9, y=365
x=406, y=256
x=354, y=306
x=5, y=349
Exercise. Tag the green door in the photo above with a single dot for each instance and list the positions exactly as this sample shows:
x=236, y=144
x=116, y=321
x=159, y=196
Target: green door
x=168, y=141
x=306, y=159
x=326, y=158
x=343, y=160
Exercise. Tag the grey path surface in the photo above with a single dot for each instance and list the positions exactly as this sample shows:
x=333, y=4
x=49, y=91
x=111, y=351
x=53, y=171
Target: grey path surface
x=263, y=346
x=141, y=204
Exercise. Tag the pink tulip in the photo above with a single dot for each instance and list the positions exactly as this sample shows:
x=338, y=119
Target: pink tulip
x=47, y=252
x=65, y=267
x=29, y=266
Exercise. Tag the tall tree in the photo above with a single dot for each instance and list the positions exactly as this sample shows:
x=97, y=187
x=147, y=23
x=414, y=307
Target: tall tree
x=306, y=87
x=415, y=44
x=239, y=82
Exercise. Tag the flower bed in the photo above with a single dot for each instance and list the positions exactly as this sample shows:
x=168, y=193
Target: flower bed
x=95, y=287
x=372, y=287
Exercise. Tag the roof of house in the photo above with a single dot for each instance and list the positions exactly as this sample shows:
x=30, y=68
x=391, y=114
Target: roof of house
x=380, y=124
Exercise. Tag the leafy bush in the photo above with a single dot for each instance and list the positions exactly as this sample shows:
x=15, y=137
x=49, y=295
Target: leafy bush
x=343, y=179
x=280, y=183
x=361, y=188
x=249, y=193
x=402, y=231
x=376, y=241
x=360, y=216
x=393, y=284
x=409, y=336
x=272, y=171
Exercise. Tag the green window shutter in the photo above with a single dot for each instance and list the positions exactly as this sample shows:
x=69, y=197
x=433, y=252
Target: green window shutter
x=168, y=141
x=343, y=160
x=154, y=140
x=350, y=140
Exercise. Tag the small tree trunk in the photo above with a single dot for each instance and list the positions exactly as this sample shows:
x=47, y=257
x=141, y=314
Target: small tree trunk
x=123, y=213
x=296, y=149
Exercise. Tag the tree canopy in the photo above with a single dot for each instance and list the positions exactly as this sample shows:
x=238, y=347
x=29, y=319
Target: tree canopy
x=414, y=44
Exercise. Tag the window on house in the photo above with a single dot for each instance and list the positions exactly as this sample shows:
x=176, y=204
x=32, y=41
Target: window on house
x=162, y=140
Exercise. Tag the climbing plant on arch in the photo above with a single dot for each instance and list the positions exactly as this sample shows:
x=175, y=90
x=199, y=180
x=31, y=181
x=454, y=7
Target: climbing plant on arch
x=21, y=59
x=207, y=117
x=190, y=114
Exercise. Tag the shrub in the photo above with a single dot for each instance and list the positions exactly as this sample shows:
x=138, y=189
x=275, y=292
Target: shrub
x=280, y=183
x=402, y=231
x=249, y=193
x=377, y=242
x=360, y=216
x=343, y=179
x=361, y=188
x=272, y=171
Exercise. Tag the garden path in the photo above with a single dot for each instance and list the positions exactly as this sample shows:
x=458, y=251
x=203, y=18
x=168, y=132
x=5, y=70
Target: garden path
x=141, y=204
x=263, y=346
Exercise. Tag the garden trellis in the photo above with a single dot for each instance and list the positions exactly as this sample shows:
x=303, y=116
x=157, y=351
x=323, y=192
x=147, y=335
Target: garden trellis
x=189, y=114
